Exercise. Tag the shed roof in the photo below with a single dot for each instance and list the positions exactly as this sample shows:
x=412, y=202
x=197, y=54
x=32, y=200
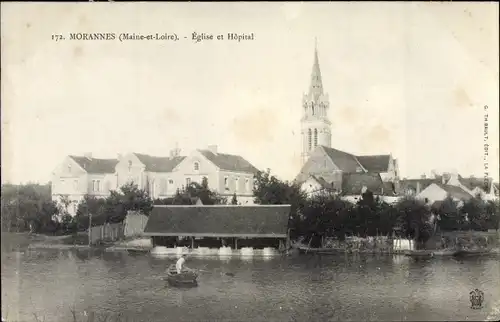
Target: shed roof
x=256, y=221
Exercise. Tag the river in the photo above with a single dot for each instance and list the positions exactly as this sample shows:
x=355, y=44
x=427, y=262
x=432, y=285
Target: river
x=50, y=283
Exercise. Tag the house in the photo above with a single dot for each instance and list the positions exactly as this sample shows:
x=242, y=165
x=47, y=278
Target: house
x=161, y=177
x=412, y=187
x=212, y=226
x=315, y=185
x=351, y=187
x=355, y=184
x=485, y=187
x=78, y=176
x=153, y=174
x=439, y=192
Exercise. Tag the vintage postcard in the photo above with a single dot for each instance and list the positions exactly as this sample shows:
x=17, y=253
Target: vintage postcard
x=238, y=161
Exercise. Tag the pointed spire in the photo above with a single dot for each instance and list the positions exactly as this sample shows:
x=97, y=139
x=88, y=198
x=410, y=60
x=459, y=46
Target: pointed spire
x=316, y=87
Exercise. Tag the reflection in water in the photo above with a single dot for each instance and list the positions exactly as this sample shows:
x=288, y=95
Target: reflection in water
x=310, y=287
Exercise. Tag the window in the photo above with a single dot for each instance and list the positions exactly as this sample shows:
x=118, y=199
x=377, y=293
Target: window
x=69, y=167
x=309, y=138
x=188, y=182
x=196, y=166
x=312, y=106
x=247, y=184
x=315, y=137
x=75, y=184
x=129, y=165
x=226, y=182
x=170, y=181
x=163, y=185
x=236, y=183
x=96, y=185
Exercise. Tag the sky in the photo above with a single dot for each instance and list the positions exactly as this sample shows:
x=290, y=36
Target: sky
x=410, y=79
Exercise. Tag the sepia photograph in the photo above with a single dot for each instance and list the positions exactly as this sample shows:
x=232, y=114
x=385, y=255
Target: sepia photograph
x=237, y=161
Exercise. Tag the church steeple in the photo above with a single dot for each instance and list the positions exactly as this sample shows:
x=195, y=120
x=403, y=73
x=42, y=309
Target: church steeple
x=316, y=86
x=315, y=125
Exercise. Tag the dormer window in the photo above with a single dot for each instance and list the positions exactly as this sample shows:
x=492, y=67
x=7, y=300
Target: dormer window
x=196, y=166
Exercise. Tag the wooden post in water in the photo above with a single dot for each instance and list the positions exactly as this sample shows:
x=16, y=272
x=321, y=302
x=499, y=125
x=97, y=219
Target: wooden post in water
x=236, y=243
x=192, y=243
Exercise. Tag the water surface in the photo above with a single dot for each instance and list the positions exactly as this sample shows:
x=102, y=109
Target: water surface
x=302, y=288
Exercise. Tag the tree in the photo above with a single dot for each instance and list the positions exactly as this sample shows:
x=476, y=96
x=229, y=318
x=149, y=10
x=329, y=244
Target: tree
x=129, y=197
x=234, y=201
x=27, y=207
x=413, y=217
x=475, y=213
x=195, y=191
x=269, y=190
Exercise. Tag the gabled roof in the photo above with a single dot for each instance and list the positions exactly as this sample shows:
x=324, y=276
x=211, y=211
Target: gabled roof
x=353, y=183
x=455, y=192
x=97, y=166
x=219, y=221
x=406, y=184
x=346, y=162
x=472, y=183
x=229, y=162
x=159, y=164
x=375, y=163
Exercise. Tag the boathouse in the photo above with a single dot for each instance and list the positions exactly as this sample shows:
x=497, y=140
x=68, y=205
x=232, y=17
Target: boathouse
x=214, y=226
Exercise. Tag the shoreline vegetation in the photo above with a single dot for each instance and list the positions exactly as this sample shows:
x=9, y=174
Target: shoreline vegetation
x=30, y=208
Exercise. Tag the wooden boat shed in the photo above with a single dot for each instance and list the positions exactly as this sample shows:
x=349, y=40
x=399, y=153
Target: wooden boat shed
x=214, y=226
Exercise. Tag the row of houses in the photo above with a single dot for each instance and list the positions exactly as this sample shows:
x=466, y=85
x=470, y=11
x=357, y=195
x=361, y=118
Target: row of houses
x=333, y=171
x=327, y=170
x=161, y=177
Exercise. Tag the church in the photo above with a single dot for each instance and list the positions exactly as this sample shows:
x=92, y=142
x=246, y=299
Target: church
x=327, y=168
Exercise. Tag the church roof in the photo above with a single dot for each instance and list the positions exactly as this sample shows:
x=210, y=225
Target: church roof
x=229, y=162
x=375, y=163
x=346, y=162
x=97, y=166
x=159, y=164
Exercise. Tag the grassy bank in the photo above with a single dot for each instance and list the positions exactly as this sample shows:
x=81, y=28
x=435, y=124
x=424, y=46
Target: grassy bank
x=22, y=241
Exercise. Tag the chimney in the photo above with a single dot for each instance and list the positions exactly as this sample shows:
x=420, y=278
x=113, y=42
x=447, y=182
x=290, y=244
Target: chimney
x=88, y=155
x=213, y=149
x=423, y=176
x=446, y=176
x=418, y=188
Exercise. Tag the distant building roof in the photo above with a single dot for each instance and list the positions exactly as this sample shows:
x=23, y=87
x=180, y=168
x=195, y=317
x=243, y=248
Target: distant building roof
x=97, y=166
x=256, y=221
x=455, y=192
x=375, y=163
x=471, y=183
x=353, y=183
x=406, y=184
x=229, y=162
x=159, y=164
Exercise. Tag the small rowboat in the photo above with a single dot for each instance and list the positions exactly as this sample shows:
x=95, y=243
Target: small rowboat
x=420, y=254
x=321, y=251
x=185, y=278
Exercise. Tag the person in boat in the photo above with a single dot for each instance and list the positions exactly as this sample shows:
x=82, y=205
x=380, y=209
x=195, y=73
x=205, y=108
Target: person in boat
x=179, y=266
